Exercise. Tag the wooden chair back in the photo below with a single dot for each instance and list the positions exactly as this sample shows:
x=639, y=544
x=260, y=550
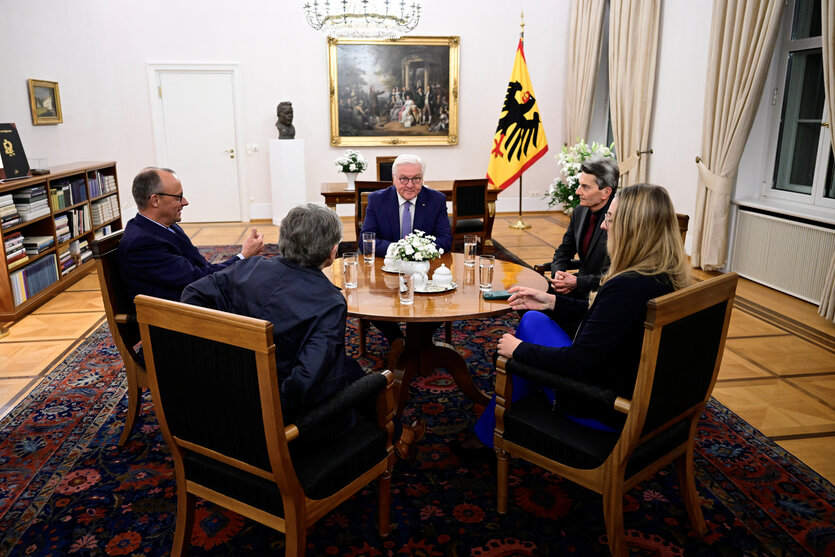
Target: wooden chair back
x=684, y=339
x=121, y=319
x=364, y=186
x=469, y=208
x=216, y=394
x=384, y=169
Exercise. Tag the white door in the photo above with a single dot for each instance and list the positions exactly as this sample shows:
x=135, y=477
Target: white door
x=199, y=141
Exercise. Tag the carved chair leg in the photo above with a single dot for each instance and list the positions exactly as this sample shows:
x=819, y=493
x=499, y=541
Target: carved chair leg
x=363, y=331
x=185, y=522
x=502, y=475
x=134, y=393
x=384, y=502
x=687, y=480
x=295, y=531
x=613, y=515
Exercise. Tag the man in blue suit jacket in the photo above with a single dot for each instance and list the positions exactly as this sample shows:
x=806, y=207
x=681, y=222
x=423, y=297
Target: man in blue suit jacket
x=426, y=208
x=155, y=256
x=401, y=208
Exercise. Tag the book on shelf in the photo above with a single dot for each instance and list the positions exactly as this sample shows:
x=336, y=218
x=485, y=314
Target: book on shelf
x=33, y=278
x=31, y=202
x=19, y=262
x=103, y=231
x=38, y=244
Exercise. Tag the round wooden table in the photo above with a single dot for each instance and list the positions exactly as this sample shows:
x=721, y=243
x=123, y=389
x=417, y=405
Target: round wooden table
x=376, y=298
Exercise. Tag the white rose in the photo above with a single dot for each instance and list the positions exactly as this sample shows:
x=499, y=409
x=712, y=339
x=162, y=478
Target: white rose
x=409, y=250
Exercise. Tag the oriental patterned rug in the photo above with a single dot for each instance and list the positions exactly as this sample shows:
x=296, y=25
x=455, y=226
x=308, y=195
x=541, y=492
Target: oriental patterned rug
x=67, y=489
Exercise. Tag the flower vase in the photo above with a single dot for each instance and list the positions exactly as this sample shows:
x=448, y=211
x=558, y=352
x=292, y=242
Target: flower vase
x=351, y=177
x=417, y=268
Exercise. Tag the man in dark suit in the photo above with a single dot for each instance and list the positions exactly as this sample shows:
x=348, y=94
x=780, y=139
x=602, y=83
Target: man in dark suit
x=401, y=208
x=584, y=237
x=407, y=205
x=155, y=256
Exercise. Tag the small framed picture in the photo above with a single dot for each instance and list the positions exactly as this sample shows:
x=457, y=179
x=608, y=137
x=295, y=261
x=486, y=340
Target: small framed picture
x=45, y=102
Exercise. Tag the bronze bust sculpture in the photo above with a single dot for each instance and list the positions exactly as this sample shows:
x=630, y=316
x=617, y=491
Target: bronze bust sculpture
x=284, y=124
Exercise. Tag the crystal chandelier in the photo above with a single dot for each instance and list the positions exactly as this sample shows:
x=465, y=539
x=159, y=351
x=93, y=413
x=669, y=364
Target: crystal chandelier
x=362, y=19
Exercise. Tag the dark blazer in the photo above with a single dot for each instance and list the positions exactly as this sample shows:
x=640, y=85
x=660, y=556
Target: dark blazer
x=607, y=348
x=596, y=260
x=383, y=217
x=308, y=315
x=160, y=262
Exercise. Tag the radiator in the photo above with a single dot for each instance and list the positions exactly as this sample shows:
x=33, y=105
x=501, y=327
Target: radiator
x=792, y=257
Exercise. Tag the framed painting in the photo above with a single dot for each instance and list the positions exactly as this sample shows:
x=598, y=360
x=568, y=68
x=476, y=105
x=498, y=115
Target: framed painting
x=45, y=102
x=402, y=92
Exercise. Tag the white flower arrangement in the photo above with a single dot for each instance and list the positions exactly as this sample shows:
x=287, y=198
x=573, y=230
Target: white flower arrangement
x=417, y=246
x=351, y=161
x=569, y=159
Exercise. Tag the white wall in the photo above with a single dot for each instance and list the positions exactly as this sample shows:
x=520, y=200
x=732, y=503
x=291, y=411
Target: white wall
x=98, y=51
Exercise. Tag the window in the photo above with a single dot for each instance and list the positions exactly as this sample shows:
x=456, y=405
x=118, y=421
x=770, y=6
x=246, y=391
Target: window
x=804, y=169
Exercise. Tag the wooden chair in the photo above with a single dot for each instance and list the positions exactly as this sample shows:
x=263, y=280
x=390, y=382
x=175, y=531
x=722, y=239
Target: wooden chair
x=469, y=208
x=684, y=338
x=683, y=221
x=121, y=318
x=216, y=394
x=384, y=169
x=359, y=208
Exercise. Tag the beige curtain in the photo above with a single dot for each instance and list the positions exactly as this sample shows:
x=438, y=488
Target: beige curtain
x=742, y=37
x=583, y=59
x=827, y=305
x=633, y=46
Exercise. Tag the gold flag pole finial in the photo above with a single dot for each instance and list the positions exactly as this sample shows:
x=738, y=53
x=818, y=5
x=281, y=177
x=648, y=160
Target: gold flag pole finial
x=522, y=25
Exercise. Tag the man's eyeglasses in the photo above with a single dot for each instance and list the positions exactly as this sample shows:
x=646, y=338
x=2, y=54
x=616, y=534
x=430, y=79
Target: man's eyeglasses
x=417, y=180
x=178, y=196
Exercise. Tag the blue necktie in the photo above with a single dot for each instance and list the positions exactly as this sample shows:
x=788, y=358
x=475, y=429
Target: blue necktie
x=406, y=223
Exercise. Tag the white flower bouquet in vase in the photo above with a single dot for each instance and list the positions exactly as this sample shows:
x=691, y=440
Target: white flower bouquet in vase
x=412, y=255
x=351, y=163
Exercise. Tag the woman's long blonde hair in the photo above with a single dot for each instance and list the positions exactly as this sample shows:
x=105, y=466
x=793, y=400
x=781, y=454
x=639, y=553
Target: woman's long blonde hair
x=644, y=236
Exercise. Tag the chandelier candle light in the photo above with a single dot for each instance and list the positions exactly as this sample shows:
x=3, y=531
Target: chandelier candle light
x=351, y=163
x=362, y=19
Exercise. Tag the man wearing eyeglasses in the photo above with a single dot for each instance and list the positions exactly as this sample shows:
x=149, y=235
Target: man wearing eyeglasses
x=406, y=206
x=155, y=256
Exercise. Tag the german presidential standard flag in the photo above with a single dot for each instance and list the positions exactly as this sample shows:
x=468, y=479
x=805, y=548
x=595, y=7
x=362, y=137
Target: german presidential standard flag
x=520, y=138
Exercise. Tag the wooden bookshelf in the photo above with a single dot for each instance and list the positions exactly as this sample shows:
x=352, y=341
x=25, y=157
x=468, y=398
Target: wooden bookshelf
x=95, y=177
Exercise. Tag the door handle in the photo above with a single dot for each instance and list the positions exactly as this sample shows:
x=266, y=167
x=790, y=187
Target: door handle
x=230, y=152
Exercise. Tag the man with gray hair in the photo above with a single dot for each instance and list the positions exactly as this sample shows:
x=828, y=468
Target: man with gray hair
x=307, y=310
x=156, y=257
x=597, y=186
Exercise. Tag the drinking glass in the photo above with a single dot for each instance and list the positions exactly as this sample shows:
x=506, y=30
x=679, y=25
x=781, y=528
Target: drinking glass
x=406, y=290
x=485, y=272
x=350, y=264
x=369, y=242
x=470, y=244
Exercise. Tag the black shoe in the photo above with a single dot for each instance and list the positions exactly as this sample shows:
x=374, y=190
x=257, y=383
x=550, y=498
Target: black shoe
x=482, y=453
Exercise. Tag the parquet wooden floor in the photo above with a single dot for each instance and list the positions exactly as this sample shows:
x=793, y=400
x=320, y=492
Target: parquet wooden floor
x=778, y=372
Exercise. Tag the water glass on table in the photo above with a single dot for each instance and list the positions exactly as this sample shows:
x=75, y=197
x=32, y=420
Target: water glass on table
x=350, y=264
x=406, y=288
x=369, y=243
x=470, y=244
x=485, y=272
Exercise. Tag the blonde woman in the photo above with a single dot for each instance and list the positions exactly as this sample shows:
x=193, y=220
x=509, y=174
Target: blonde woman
x=647, y=261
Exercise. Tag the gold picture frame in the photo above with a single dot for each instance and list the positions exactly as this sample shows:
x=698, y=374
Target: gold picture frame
x=393, y=92
x=45, y=102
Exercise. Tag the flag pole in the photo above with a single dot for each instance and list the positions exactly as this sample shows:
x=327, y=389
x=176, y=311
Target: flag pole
x=520, y=224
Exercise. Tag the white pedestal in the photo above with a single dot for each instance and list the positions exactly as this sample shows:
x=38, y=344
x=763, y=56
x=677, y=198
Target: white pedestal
x=287, y=179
